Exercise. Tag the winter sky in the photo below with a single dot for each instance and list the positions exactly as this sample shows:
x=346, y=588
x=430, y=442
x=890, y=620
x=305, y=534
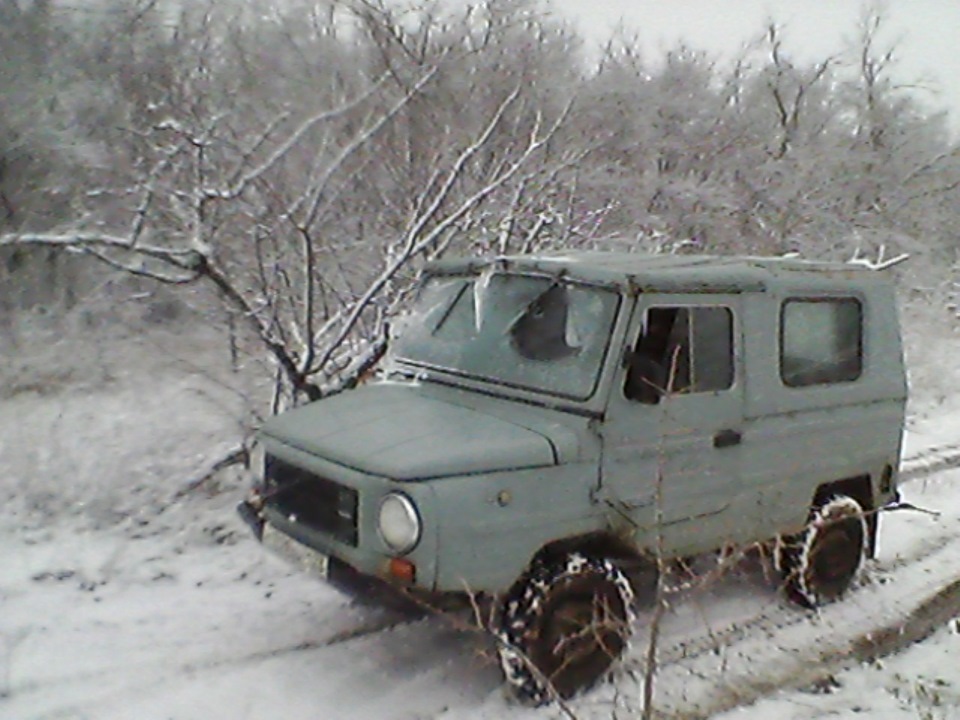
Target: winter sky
x=925, y=32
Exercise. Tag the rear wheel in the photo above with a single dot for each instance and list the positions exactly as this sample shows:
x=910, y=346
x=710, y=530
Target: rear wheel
x=820, y=563
x=562, y=626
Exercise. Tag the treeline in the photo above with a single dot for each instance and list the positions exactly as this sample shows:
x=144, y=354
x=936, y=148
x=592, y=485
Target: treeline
x=302, y=160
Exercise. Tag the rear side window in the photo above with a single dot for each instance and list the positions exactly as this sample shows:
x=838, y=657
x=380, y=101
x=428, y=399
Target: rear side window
x=821, y=341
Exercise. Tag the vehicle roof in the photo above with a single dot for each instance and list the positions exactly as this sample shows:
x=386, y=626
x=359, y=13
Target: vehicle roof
x=671, y=272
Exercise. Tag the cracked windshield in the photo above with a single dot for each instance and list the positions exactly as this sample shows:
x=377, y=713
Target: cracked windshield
x=523, y=331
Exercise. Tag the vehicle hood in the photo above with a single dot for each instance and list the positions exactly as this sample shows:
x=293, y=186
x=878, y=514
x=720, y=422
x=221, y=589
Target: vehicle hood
x=396, y=431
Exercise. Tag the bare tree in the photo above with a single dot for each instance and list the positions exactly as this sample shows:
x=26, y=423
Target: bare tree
x=304, y=188
x=288, y=216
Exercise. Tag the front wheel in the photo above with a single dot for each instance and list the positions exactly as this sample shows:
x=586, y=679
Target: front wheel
x=820, y=563
x=562, y=625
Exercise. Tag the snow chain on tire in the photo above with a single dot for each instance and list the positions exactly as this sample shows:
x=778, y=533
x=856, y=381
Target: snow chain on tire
x=522, y=611
x=795, y=555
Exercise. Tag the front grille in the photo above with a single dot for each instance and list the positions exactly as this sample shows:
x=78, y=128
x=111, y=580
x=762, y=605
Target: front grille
x=311, y=500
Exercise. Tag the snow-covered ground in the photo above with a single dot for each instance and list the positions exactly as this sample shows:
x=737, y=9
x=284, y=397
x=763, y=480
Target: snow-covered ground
x=921, y=683
x=122, y=597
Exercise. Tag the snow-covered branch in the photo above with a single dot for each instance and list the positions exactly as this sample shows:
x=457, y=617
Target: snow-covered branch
x=881, y=263
x=253, y=173
x=418, y=239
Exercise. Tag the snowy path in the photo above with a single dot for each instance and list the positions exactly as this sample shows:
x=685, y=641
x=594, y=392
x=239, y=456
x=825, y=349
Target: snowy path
x=208, y=633
x=179, y=615
x=96, y=625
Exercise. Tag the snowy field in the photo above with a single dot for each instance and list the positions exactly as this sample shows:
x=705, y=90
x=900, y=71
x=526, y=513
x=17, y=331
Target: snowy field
x=125, y=597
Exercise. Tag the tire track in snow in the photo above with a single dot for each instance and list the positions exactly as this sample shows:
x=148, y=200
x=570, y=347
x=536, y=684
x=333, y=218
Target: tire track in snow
x=349, y=633
x=784, y=614
x=87, y=695
x=809, y=651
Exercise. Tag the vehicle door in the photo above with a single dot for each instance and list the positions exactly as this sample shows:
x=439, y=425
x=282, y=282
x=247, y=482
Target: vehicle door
x=673, y=431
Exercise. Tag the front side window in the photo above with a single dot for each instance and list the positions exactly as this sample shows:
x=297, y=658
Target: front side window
x=821, y=341
x=527, y=331
x=681, y=350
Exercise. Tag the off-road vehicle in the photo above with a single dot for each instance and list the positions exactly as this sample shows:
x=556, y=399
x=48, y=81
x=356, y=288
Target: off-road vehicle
x=546, y=425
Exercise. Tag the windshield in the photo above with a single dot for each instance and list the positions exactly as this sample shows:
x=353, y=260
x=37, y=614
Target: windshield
x=525, y=331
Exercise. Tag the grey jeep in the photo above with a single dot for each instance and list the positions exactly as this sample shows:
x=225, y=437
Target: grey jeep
x=549, y=429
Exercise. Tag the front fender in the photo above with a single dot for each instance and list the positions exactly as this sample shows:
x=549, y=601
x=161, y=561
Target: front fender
x=490, y=526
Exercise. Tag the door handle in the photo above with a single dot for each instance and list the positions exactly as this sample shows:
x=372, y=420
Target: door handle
x=727, y=438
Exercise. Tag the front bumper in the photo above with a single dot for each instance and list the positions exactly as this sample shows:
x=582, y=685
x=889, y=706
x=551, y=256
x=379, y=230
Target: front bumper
x=364, y=588
x=249, y=511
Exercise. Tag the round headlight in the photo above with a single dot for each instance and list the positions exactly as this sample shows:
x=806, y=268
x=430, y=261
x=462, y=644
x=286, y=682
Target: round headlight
x=399, y=523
